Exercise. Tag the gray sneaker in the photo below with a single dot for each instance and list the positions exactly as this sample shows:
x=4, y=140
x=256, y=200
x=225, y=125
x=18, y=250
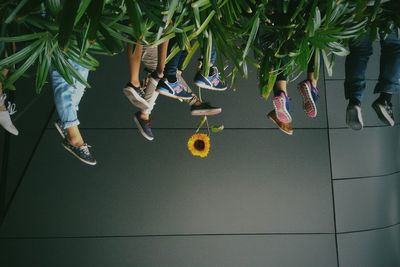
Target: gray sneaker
x=384, y=111
x=144, y=126
x=354, y=117
x=82, y=152
x=136, y=96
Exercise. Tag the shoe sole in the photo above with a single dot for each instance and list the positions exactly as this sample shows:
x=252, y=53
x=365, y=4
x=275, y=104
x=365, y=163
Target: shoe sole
x=141, y=130
x=309, y=106
x=60, y=131
x=382, y=115
x=206, y=112
x=356, y=124
x=164, y=93
x=282, y=130
x=205, y=86
x=281, y=112
x=8, y=125
x=81, y=159
x=135, y=98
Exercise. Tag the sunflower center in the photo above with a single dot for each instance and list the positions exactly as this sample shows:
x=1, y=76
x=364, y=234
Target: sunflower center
x=199, y=145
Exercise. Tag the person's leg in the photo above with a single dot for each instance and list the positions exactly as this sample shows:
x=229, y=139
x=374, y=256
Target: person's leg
x=67, y=98
x=133, y=90
x=5, y=120
x=389, y=78
x=354, y=85
x=355, y=67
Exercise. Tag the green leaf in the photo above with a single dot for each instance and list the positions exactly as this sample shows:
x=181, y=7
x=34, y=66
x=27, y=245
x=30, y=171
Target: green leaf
x=11, y=17
x=217, y=128
x=67, y=20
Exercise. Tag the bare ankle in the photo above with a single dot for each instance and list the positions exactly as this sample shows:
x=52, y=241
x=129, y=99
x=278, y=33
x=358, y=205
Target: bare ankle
x=144, y=116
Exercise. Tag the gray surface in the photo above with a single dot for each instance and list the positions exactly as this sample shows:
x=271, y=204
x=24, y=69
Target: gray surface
x=370, y=152
x=31, y=118
x=337, y=105
x=142, y=187
x=379, y=248
x=367, y=203
x=200, y=251
x=105, y=106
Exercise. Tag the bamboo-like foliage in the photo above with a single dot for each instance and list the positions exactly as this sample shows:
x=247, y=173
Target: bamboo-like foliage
x=284, y=34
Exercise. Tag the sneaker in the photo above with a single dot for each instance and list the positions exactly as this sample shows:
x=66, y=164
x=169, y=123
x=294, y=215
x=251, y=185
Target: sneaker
x=354, y=117
x=60, y=129
x=384, y=111
x=5, y=119
x=144, y=127
x=204, y=109
x=174, y=90
x=182, y=81
x=136, y=96
x=310, y=96
x=284, y=127
x=281, y=106
x=82, y=152
x=212, y=82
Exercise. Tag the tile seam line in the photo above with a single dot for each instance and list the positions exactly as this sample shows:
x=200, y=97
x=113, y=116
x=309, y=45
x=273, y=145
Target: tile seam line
x=21, y=178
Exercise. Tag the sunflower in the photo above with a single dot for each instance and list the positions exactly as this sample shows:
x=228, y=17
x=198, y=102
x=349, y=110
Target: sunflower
x=199, y=145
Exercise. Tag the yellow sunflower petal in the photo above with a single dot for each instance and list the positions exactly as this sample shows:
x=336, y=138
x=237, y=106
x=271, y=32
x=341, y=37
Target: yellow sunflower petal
x=199, y=145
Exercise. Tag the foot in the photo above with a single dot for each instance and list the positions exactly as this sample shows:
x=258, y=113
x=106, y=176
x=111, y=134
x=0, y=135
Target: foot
x=384, y=111
x=281, y=106
x=284, y=127
x=212, y=82
x=173, y=90
x=82, y=152
x=354, y=117
x=136, y=96
x=5, y=119
x=144, y=126
x=310, y=96
x=204, y=109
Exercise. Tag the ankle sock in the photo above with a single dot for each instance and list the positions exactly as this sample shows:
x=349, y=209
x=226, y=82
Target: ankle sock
x=212, y=71
x=385, y=97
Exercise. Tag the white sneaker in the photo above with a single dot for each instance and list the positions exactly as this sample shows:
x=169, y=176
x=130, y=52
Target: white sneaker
x=5, y=120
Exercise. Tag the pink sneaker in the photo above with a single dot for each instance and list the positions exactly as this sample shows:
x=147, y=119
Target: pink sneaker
x=310, y=96
x=281, y=106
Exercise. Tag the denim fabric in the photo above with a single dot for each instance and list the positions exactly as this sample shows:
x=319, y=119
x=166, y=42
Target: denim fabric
x=67, y=97
x=357, y=61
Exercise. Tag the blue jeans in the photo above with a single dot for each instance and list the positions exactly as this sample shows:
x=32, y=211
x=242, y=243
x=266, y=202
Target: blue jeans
x=67, y=97
x=356, y=65
x=176, y=62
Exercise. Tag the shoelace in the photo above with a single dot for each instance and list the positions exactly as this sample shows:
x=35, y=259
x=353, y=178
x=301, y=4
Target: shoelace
x=11, y=108
x=85, y=149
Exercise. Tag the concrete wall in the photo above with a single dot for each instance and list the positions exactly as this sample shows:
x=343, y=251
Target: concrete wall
x=326, y=196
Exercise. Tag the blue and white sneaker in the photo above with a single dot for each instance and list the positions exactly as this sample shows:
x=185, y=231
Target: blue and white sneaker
x=144, y=126
x=281, y=106
x=82, y=152
x=60, y=129
x=174, y=90
x=212, y=82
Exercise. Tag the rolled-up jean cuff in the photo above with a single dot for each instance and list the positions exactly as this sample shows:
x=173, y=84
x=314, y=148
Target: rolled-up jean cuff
x=70, y=124
x=387, y=88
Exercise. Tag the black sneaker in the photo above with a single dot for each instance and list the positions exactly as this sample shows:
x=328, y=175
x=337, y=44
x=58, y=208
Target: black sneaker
x=60, y=129
x=384, y=111
x=354, y=117
x=204, y=109
x=136, y=96
x=82, y=152
x=144, y=126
